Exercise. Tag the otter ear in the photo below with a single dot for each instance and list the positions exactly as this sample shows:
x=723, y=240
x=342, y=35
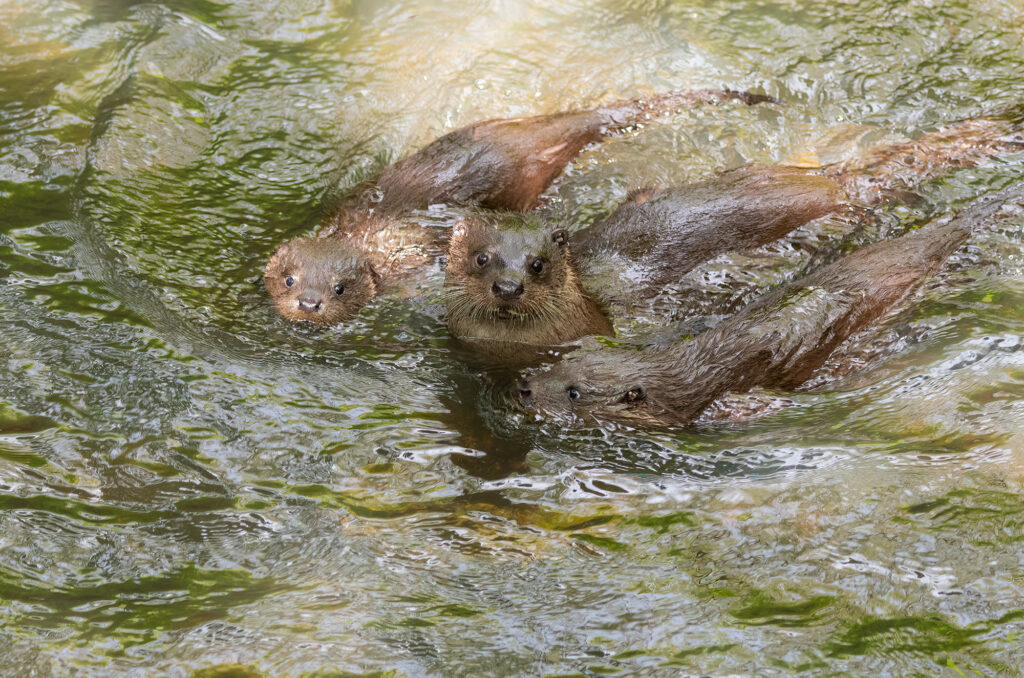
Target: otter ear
x=371, y=272
x=281, y=251
x=640, y=195
x=560, y=237
x=459, y=229
x=275, y=261
x=633, y=395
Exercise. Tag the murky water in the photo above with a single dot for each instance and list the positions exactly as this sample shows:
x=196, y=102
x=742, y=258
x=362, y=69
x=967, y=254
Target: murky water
x=189, y=485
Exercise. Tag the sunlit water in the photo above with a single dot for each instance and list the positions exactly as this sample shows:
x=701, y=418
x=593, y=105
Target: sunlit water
x=187, y=484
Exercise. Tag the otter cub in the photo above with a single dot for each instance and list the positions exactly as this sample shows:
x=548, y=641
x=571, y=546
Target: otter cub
x=511, y=293
x=658, y=235
x=777, y=341
x=500, y=164
x=322, y=280
x=512, y=289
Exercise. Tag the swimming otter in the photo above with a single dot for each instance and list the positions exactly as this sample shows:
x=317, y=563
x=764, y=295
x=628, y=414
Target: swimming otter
x=658, y=235
x=776, y=341
x=502, y=164
x=516, y=285
x=512, y=288
x=655, y=237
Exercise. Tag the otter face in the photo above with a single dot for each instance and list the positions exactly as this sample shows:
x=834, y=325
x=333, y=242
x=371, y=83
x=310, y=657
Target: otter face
x=319, y=280
x=509, y=276
x=603, y=385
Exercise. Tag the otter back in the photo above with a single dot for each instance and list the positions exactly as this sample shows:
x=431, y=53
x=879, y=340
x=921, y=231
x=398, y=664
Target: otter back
x=657, y=236
x=777, y=341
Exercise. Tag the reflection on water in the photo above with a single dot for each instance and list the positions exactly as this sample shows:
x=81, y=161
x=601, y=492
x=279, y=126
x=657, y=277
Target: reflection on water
x=189, y=484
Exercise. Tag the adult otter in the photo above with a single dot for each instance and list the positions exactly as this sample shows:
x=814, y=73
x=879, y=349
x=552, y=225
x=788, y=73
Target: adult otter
x=500, y=164
x=658, y=235
x=776, y=341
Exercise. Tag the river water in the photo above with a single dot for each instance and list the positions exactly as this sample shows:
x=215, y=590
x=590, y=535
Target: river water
x=189, y=486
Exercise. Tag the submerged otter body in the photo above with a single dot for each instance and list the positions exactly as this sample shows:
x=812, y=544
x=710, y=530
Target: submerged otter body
x=499, y=164
x=657, y=236
x=777, y=341
x=894, y=171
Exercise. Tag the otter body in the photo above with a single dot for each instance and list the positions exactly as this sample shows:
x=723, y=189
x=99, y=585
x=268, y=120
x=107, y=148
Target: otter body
x=510, y=313
x=777, y=341
x=891, y=172
x=498, y=164
x=658, y=235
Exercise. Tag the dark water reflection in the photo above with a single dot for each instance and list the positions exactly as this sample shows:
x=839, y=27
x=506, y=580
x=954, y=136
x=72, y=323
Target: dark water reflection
x=188, y=484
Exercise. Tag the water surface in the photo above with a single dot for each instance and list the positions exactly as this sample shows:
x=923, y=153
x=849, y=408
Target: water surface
x=189, y=485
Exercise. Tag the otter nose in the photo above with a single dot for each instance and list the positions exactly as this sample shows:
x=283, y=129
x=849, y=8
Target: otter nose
x=307, y=305
x=524, y=389
x=507, y=289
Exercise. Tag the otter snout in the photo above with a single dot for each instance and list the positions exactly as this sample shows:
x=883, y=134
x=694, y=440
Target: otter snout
x=308, y=305
x=507, y=289
x=523, y=387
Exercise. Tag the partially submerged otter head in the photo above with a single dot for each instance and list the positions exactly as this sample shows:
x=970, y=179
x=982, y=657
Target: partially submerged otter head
x=319, y=280
x=514, y=272
x=604, y=385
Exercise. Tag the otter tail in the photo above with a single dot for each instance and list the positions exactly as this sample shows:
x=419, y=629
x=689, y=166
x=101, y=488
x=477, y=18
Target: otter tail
x=846, y=296
x=879, y=275
x=896, y=171
x=623, y=114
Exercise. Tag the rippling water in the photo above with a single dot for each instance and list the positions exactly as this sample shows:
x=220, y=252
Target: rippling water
x=188, y=486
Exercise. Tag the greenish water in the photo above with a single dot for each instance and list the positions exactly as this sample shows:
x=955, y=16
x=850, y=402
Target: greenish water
x=189, y=486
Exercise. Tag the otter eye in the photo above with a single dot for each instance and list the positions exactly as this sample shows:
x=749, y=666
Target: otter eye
x=339, y=289
x=573, y=393
x=289, y=281
x=537, y=265
x=560, y=237
x=482, y=259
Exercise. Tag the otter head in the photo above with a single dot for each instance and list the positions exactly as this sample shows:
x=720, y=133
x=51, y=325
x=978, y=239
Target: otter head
x=602, y=385
x=512, y=273
x=319, y=280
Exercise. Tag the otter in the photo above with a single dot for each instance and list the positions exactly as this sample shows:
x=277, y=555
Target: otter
x=658, y=235
x=502, y=164
x=655, y=237
x=775, y=342
x=516, y=285
x=512, y=289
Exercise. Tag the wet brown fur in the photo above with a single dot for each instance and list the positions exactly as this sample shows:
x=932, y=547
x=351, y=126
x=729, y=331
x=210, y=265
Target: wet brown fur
x=656, y=236
x=777, y=341
x=890, y=172
x=490, y=257
x=500, y=164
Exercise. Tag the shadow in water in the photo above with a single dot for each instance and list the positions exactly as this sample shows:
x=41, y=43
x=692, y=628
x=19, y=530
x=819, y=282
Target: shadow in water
x=472, y=414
